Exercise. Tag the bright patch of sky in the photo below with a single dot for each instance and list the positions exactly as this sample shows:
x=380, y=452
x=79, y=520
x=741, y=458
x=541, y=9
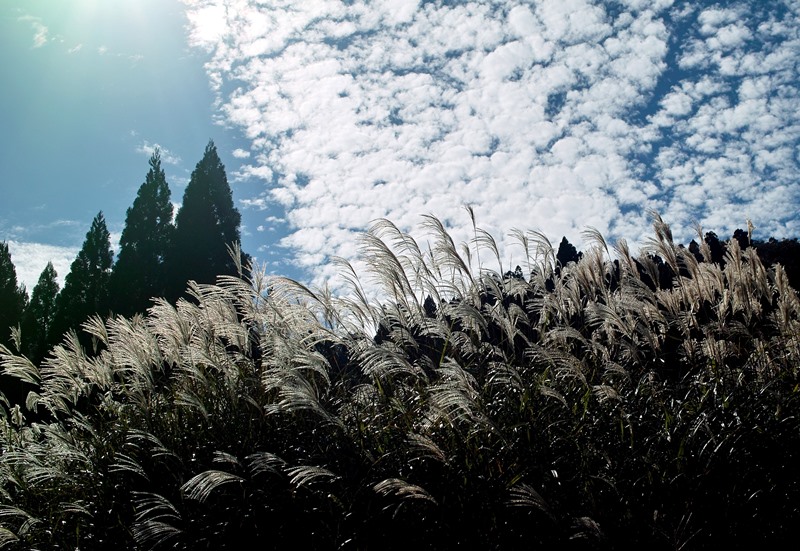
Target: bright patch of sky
x=89, y=90
x=552, y=115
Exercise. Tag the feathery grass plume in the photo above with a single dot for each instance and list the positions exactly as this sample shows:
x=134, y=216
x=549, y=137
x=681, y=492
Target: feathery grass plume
x=7, y=538
x=454, y=274
x=523, y=495
x=386, y=269
x=136, y=357
x=422, y=446
x=627, y=262
x=67, y=376
x=484, y=240
x=578, y=398
x=455, y=397
x=662, y=243
x=705, y=250
x=411, y=257
x=155, y=519
x=201, y=486
x=309, y=474
x=512, y=321
x=22, y=521
x=388, y=361
x=403, y=490
x=359, y=313
x=523, y=240
x=593, y=236
x=19, y=367
x=264, y=462
x=152, y=534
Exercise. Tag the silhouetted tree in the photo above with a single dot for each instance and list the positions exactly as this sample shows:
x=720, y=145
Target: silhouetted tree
x=694, y=248
x=86, y=286
x=742, y=237
x=567, y=252
x=13, y=296
x=785, y=252
x=717, y=248
x=139, y=272
x=13, y=300
x=37, y=321
x=206, y=225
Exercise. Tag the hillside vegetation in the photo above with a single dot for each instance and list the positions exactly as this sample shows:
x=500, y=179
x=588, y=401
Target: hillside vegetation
x=612, y=402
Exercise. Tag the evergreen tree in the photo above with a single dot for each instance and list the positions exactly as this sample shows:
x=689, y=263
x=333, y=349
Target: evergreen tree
x=13, y=300
x=37, y=321
x=567, y=253
x=86, y=286
x=139, y=273
x=206, y=225
x=13, y=297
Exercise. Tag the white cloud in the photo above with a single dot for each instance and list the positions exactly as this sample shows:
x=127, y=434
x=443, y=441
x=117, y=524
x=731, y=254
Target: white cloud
x=31, y=258
x=40, y=31
x=259, y=203
x=556, y=115
x=113, y=239
x=167, y=156
x=207, y=22
x=241, y=153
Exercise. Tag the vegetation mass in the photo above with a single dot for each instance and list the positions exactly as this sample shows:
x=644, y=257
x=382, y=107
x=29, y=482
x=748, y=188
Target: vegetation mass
x=580, y=401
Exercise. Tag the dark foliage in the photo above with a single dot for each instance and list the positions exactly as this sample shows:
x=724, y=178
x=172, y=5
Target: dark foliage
x=612, y=404
x=86, y=290
x=207, y=226
x=13, y=297
x=13, y=300
x=785, y=252
x=566, y=253
x=139, y=273
x=37, y=321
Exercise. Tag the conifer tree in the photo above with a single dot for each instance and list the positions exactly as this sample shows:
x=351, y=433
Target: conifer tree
x=567, y=253
x=37, y=321
x=139, y=272
x=86, y=286
x=13, y=297
x=206, y=225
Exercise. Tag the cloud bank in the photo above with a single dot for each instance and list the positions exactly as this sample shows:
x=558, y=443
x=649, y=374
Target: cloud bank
x=555, y=115
x=30, y=259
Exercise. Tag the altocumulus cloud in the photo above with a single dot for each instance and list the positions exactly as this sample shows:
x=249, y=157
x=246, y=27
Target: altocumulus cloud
x=555, y=114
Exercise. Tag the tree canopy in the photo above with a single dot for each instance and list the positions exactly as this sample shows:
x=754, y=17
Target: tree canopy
x=139, y=272
x=37, y=321
x=13, y=296
x=206, y=226
x=86, y=289
x=157, y=257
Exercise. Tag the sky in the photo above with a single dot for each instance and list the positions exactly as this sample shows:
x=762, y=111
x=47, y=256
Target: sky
x=550, y=115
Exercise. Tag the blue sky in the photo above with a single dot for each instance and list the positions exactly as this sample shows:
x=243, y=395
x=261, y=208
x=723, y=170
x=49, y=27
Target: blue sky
x=89, y=89
x=551, y=115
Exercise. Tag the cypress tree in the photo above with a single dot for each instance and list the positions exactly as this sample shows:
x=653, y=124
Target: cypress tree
x=13, y=297
x=37, y=321
x=86, y=286
x=13, y=300
x=139, y=272
x=206, y=225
